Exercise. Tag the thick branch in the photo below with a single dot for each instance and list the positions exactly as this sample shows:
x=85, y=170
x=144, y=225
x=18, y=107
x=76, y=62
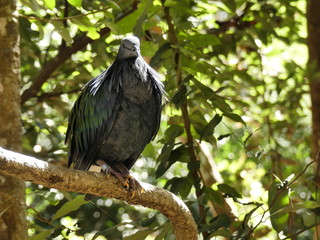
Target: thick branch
x=40, y=172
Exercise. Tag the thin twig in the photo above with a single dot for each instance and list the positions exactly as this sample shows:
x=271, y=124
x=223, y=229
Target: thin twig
x=279, y=192
x=45, y=96
x=63, y=18
x=299, y=232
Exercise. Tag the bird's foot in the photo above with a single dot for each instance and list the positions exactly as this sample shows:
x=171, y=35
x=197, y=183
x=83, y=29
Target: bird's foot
x=123, y=174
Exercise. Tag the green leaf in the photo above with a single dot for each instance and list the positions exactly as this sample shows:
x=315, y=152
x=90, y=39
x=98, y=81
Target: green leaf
x=231, y=4
x=126, y=25
x=85, y=25
x=213, y=195
x=200, y=40
x=234, y=117
x=138, y=28
x=148, y=221
x=298, y=206
x=245, y=230
x=43, y=235
x=245, y=223
x=166, y=229
x=51, y=198
x=140, y=235
x=180, y=96
x=70, y=206
x=277, y=200
x=227, y=189
x=170, y=3
x=165, y=158
x=50, y=4
x=224, y=136
x=209, y=129
x=62, y=30
x=75, y=3
x=160, y=54
x=216, y=223
x=176, y=183
x=186, y=187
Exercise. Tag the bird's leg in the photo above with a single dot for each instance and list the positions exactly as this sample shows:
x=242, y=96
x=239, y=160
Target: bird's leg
x=108, y=170
x=120, y=171
x=132, y=183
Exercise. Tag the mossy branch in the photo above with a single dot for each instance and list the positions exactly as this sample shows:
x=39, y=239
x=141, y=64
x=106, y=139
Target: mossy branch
x=39, y=172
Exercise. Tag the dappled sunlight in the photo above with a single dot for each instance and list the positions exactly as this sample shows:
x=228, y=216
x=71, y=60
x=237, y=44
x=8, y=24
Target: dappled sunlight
x=235, y=126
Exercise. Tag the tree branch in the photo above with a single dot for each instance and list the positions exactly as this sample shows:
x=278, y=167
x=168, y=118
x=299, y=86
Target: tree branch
x=40, y=172
x=55, y=62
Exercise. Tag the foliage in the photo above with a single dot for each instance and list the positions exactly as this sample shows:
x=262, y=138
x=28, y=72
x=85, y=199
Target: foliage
x=236, y=125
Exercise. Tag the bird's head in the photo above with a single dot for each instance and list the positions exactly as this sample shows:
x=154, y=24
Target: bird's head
x=129, y=48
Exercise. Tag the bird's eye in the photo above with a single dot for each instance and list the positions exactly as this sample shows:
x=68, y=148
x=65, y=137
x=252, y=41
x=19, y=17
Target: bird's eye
x=134, y=49
x=123, y=45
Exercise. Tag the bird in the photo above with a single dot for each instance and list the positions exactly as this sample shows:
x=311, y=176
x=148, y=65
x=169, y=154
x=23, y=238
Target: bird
x=116, y=115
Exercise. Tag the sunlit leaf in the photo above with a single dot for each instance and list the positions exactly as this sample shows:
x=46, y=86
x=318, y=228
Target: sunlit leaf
x=76, y=3
x=50, y=4
x=85, y=25
x=64, y=32
x=126, y=24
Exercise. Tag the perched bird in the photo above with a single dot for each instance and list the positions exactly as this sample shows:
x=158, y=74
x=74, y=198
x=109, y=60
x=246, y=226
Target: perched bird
x=116, y=115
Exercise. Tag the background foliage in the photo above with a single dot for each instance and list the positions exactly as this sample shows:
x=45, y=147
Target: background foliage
x=234, y=141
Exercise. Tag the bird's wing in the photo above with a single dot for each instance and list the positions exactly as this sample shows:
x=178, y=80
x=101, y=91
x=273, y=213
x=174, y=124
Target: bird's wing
x=91, y=119
x=158, y=92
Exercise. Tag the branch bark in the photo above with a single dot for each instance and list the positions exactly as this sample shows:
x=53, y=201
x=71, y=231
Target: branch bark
x=313, y=41
x=40, y=172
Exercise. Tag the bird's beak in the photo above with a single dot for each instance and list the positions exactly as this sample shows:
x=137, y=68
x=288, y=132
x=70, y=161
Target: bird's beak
x=134, y=51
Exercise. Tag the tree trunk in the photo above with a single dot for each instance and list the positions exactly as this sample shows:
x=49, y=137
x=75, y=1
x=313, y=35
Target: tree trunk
x=13, y=224
x=313, y=40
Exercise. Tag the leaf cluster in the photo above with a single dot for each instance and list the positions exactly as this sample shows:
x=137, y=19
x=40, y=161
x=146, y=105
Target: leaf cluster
x=235, y=126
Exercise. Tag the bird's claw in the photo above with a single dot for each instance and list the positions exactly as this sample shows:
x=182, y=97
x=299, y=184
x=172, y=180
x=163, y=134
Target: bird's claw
x=129, y=182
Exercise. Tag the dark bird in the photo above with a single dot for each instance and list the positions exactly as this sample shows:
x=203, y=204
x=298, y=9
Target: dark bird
x=116, y=115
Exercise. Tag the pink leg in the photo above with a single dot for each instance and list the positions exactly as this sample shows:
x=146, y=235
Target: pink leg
x=122, y=173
